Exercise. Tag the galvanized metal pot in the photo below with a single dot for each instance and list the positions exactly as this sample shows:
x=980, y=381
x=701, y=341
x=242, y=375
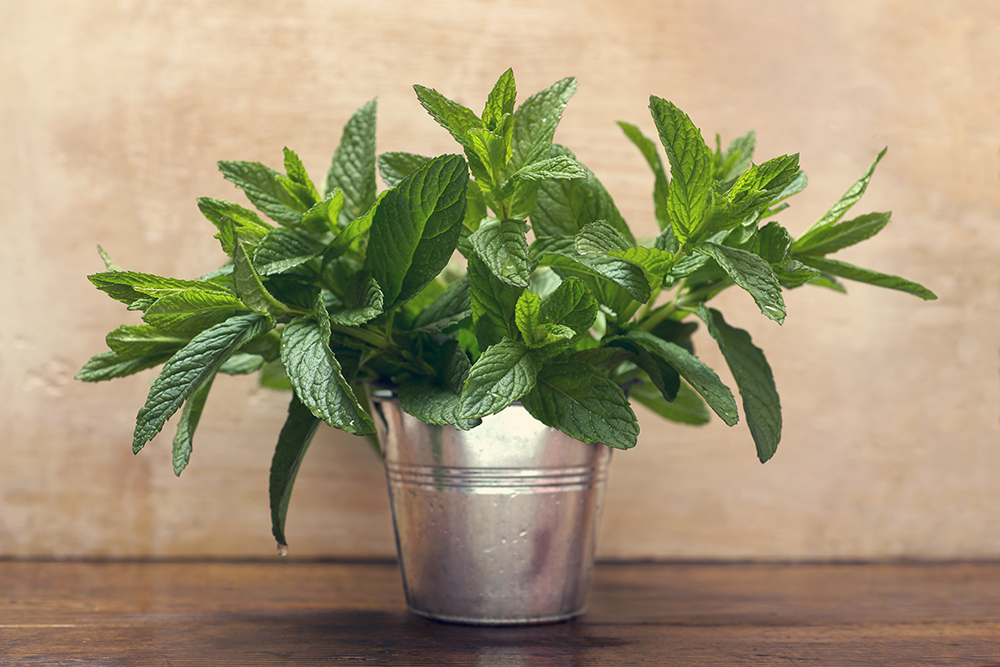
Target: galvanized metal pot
x=496, y=525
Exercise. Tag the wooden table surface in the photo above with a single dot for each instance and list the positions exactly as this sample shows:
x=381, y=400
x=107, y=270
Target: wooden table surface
x=308, y=613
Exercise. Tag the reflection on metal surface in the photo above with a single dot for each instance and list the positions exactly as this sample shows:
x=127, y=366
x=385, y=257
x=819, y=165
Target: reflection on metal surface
x=496, y=525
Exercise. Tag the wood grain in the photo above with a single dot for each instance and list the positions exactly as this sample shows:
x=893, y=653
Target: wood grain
x=639, y=614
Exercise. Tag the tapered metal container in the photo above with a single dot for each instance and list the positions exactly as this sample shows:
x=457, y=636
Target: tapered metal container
x=496, y=525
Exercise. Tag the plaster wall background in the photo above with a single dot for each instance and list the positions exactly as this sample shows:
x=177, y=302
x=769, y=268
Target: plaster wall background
x=113, y=113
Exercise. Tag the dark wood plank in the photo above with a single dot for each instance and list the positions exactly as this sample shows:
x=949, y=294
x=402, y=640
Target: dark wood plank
x=352, y=614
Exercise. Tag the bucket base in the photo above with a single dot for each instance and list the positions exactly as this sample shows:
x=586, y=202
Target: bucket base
x=474, y=620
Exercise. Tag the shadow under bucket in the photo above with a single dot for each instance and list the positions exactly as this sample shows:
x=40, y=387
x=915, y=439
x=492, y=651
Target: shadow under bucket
x=494, y=526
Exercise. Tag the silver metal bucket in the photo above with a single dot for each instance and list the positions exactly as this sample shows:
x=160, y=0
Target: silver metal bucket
x=494, y=526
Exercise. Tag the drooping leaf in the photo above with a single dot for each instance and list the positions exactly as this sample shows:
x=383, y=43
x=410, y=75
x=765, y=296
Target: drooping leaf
x=190, y=416
x=316, y=375
x=761, y=404
x=548, y=251
x=296, y=435
x=687, y=408
x=352, y=170
x=582, y=402
x=702, y=378
x=752, y=274
x=416, y=228
x=185, y=372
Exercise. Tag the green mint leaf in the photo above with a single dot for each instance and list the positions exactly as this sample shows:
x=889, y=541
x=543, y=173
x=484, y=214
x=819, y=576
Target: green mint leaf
x=296, y=435
x=736, y=159
x=689, y=197
x=185, y=372
x=305, y=191
x=835, y=237
x=352, y=170
x=583, y=403
x=660, y=185
x=242, y=364
x=109, y=365
x=436, y=400
x=284, y=249
x=108, y=262
x=449, y=308
x=394, y=167
x=561, y=254
x=753, y=376
x=190, y=416
x=416, y=228
x=492, y=302
x=704, y=380
x=131, y=342
x=504, y=373
x=249, y=286
x=849, y=199
x=752, y=274
x=316, y=375
x=502, y=245
x=794, y=273
x=324, y=216
x=490, y=153
x=851, y=272
x=365, y=305
x=191, y=311
x=563, y=207
x=501, y=101
x=452, y=116
x=351, y=237
x=535, y=122
x=662, y=375
x=220, y=213
x=133, y=287
x=560, y=167
x=266, y=189
x=772, y=244
x=687, y=408
x=571, y=304
x=528, y=317
x=600, y=238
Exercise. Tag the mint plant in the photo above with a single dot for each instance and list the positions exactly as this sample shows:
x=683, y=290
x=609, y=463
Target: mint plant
x=550, y=299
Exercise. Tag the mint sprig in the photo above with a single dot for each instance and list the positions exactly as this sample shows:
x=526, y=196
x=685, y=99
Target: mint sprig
x=556, y=303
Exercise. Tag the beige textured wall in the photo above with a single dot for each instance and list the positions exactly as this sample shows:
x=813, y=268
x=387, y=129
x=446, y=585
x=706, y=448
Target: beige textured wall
x=112, y=114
